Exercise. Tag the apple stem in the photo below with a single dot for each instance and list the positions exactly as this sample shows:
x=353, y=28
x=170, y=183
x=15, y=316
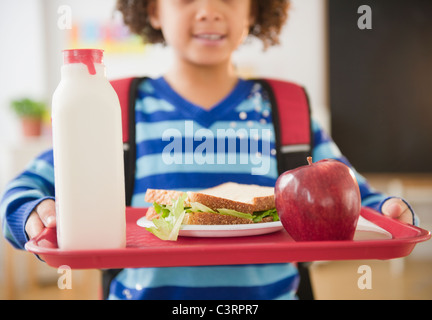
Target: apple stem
x=309, y=160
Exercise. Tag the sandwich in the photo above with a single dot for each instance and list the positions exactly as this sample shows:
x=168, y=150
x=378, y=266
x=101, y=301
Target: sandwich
x=226, y=204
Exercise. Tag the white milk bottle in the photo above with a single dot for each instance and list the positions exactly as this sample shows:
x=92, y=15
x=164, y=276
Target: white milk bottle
x=88, y=156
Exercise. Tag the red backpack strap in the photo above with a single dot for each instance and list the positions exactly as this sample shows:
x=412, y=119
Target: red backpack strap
x=127, y=90
x=122, y=88
x=292, y=122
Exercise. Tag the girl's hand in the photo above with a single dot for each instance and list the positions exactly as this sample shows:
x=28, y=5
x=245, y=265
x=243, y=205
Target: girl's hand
x=43, y=216
x=397, y=209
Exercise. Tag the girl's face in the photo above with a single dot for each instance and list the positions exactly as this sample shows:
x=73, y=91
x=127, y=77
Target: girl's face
x=202, y=32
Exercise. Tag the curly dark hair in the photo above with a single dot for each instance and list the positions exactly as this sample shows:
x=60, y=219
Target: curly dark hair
x=270, y=16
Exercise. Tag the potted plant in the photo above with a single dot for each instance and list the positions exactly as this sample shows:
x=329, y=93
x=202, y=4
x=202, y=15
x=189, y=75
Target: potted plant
x=31, y=113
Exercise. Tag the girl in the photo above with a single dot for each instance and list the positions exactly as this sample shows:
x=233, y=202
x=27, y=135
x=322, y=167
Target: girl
x=201, y=89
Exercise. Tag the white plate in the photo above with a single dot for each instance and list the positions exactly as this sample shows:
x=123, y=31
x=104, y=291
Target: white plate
x=219, y=231
x=365, y=230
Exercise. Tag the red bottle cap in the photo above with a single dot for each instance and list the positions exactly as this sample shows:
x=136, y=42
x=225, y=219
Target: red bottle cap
x=86, y=56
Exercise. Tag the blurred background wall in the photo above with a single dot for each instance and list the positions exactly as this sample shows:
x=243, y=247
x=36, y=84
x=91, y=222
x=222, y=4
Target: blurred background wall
x=33, y=33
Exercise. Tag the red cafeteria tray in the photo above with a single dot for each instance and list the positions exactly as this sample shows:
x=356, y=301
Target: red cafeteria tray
x=143, y=249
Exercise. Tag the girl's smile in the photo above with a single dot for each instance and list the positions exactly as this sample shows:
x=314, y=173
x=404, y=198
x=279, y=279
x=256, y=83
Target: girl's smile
x=203, y=32
x=210, y=39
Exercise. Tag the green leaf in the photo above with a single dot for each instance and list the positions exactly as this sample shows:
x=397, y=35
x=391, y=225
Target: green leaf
x=167, y=226
x=235, y=213
x=260, y=215
x=29, y=108
x=198, y=207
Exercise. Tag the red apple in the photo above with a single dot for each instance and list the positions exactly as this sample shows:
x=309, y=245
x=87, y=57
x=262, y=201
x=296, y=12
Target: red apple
x=319, y=201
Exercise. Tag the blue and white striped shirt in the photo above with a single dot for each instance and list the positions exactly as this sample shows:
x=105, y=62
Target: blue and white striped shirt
x=181, y=146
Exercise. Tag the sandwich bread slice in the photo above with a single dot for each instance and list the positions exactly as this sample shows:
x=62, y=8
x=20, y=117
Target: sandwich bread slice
x=225, y=204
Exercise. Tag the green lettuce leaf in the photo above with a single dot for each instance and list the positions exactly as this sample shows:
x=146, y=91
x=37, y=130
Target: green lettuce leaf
x=235, y=213
x=259, y=215
x=167, y=226
x=198, y=207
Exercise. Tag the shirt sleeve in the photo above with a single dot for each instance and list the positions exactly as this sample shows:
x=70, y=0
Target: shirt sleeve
x=23, y=194
x=326, y=148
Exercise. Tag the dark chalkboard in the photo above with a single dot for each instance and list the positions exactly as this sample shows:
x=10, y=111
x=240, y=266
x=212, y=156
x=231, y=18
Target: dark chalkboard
x=381, y=84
